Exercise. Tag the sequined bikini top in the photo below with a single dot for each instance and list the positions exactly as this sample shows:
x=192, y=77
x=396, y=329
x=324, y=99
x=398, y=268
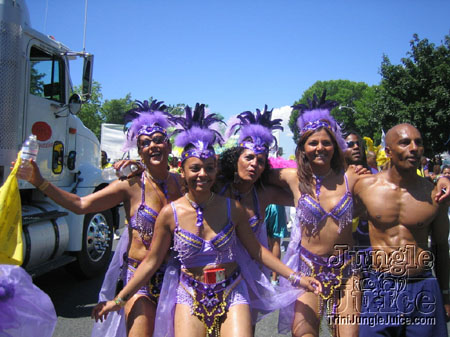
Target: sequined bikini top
x=143, y=221
x=193, y=251
x=312, y=215
x=255, y=221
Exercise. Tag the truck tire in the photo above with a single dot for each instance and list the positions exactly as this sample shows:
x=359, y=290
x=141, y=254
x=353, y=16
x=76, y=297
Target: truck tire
x=95, y=254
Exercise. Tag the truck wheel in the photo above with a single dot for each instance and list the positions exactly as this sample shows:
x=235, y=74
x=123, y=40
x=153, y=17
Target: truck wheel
x=95, y=254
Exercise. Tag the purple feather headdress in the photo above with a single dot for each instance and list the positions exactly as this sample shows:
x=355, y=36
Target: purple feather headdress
x=145, y=119
x=195, y=128
x=317, y=115
x=258, y=128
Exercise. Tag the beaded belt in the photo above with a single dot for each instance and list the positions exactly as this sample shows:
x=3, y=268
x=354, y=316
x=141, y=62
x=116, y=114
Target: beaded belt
x=155, y=283
x=210, y=300
x=330, y=271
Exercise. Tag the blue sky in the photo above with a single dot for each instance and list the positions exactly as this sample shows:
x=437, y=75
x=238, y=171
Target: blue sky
x=237, y=55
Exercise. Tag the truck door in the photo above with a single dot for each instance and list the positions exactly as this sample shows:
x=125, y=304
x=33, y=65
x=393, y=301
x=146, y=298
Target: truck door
x=46, y=109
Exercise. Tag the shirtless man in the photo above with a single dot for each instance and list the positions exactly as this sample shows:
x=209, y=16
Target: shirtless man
x=401, y=297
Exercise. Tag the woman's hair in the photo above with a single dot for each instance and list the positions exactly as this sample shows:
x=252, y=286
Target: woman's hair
x=304, y=170
x=228, y=162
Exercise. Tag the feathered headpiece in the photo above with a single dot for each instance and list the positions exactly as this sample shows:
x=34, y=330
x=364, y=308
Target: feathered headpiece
x=316, y=115
x=258, y=127
x=195, y=128
x=146, y=119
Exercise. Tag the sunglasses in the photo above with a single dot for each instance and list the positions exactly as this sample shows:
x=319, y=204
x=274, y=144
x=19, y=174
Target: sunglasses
x=352, y=144
x=157, y=140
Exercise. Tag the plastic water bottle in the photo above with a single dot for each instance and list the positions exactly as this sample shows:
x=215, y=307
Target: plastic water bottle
x=110, y=173
x=127, y=170
x=30, y=149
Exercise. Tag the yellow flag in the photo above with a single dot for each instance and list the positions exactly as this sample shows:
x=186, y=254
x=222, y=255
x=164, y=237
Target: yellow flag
x=369, y=144
x=11, y=250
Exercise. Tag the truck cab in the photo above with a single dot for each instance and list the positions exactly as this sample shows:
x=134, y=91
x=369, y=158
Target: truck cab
x=37, y=97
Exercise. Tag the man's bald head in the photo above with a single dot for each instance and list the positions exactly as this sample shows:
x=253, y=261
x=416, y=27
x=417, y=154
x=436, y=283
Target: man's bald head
x=404, y=146
x=397, y=130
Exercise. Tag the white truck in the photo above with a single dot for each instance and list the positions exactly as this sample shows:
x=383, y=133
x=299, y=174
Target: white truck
x=36, y=96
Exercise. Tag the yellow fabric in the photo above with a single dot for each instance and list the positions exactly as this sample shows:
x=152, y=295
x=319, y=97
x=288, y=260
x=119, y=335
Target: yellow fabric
x=11, y=245
x=420, y=172
x=355, y=223
x=369, y=144
x=382, y=159
x=106, y=166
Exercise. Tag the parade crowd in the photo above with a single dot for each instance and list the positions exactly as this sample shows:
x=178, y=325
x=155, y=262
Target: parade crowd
x=368, y=251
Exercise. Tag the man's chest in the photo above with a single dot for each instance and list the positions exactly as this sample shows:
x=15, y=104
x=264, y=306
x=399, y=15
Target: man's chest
x=391, y=207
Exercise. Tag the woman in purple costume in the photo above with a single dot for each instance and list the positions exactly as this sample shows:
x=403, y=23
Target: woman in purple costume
x=244, y=169
x=322, y=192
x=202, y=292
x=243, y=175
x=143, y=197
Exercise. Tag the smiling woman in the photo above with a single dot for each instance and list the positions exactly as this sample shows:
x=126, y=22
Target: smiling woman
x=204, y=292
x=322, y=192
x=143, y=196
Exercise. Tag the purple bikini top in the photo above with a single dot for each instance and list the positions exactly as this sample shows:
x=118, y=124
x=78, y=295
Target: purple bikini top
x=255, y=221
x=143, y=221
x=193, y=251
x=311, y=214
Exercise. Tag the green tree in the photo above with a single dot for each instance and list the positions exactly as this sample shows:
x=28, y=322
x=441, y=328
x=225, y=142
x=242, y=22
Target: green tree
x=418, y=92
x=90, y=113
x=355, y=110
x=176, y=110
x=36, y=82
x=115, y=109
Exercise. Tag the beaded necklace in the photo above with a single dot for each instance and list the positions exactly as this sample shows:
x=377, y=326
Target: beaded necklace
x=162, y=183
x=319, y=180
x=199, y=210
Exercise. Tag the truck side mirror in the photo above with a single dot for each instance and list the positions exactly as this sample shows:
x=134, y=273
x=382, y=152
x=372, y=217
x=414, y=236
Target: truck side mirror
x=74, y=104
x=88, y=66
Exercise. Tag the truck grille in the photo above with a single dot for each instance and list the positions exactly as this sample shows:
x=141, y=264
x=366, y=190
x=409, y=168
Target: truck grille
x=10, y=60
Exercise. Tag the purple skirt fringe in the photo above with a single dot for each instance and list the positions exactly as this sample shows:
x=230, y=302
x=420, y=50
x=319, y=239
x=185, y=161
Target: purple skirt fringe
x=114, y=325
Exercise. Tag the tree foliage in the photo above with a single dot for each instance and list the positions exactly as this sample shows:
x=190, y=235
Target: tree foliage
x=115, y=109
x=90, y=113
x=355, y=110
x=418, y=92
x=95, y=112
x=176, y=110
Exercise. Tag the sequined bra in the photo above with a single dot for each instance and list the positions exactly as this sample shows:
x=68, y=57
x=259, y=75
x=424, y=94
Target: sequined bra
x=143, y=221
x=255, y=221
x=193, y=251
x=312, y=215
